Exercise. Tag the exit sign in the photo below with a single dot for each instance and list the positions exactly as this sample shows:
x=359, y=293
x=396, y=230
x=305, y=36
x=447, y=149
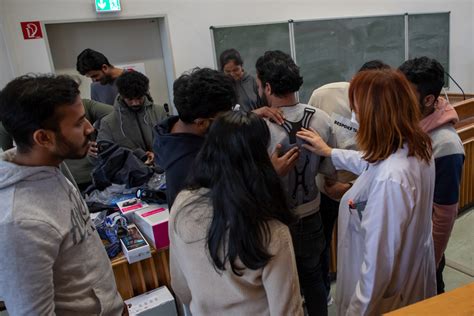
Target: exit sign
x=107, y=5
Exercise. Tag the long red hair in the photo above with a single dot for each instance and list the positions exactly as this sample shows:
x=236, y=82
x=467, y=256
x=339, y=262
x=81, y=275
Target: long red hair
x=389, y=115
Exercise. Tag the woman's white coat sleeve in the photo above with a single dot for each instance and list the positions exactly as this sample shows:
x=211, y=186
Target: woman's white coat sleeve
x=350, y=160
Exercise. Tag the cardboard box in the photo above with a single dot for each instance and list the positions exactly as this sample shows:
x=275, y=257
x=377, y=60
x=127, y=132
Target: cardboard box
x=153, y=223
x=134, y=245
x=130, y=206
x=156, y=302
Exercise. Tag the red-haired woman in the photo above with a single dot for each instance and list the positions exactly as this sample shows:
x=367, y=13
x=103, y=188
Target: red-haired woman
x=385, y=247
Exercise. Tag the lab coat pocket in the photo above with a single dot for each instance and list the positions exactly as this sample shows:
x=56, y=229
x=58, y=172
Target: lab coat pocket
x=356, y=209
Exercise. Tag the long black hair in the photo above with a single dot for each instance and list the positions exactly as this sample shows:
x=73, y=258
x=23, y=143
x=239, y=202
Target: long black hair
x=245, y=190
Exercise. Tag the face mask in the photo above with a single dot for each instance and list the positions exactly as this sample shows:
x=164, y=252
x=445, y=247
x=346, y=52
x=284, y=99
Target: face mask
x=354, y=118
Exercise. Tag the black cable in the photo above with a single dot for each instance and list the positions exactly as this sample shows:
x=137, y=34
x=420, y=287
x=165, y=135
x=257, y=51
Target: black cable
x=463, y=94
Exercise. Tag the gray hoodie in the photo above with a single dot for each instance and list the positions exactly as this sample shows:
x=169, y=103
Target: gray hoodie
x=131, y=129
x=52, y=260
x=247, y=93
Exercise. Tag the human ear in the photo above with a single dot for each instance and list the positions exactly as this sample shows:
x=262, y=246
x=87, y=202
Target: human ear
x=43, y=138
x=429, y=100
x=268, y=89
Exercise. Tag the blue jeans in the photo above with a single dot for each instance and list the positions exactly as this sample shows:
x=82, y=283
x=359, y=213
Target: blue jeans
x=308, y=242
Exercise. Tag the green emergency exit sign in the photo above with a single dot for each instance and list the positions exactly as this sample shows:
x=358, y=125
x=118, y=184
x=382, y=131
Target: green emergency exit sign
x=107, y=6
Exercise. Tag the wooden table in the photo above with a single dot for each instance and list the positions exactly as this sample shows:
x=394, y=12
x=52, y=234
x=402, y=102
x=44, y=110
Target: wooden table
x=142, y=276
x=456, y=302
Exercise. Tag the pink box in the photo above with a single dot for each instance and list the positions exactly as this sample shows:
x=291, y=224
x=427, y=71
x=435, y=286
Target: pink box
x=153, y=223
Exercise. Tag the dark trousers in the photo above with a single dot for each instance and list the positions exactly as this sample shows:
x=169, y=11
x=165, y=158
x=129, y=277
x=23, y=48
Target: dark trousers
x=308, y=242
x=439, y=276
x=329, y=210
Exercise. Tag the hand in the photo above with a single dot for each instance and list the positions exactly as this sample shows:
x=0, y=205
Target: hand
x=334, y=189
x=316, y=143
x=150, y=158
x=93, y=149
x=283, y=164
x=276, y=115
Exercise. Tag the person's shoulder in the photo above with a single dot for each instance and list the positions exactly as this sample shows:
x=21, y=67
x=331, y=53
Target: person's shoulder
x=93, y=104
x=333, y=86
x=279, y=235
x=318, y=114
x=446, y=141
x=331, y=97
x=38, y=204
x=107, y=119
x=330, y=89
x=191, y=211
x=401, y=168
x=277, y=227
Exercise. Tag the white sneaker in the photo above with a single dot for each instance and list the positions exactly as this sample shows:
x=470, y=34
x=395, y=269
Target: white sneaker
x=330, y=300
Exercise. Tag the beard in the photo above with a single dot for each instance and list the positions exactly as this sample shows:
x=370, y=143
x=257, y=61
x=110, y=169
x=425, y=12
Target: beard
x=136, y=108
x=106, y=79
x=67, y=149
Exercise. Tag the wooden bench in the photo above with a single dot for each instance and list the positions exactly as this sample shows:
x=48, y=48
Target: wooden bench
x=465, y=110
x=465, y=130
x=459, y=301
x=455, y=97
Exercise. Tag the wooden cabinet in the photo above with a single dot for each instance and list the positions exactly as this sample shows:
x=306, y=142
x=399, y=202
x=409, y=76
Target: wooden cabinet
x=143, y=276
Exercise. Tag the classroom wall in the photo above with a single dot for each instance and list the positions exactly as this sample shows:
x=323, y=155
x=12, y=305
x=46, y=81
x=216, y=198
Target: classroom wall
x=6, y=71
x=188, y=24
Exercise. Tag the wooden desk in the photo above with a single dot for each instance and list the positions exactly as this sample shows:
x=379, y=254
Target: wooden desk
x=142, y=276
x=456, y=302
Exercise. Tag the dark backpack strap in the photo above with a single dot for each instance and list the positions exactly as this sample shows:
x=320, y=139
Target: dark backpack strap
x=308, y=114
x=293, y=127
x=300, y=177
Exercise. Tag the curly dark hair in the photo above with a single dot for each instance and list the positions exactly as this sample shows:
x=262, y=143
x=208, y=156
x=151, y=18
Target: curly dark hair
x=203, y=93
x=132, y=84
x=230, y=55
x=30, y=102
x=280, y=71
x=90, y=59
x=426, y=73
x=375, y=64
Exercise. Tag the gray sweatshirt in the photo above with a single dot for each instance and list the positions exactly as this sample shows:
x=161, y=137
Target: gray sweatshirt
x=300, y=183
x=52, y=260
x=247, y=93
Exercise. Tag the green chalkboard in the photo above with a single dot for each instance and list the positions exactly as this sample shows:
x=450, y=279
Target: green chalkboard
x=333, y=50
x=252, y=41
x=428, y=35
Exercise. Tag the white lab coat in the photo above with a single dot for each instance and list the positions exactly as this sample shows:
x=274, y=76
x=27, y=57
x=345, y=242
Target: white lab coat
x=385, y=249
